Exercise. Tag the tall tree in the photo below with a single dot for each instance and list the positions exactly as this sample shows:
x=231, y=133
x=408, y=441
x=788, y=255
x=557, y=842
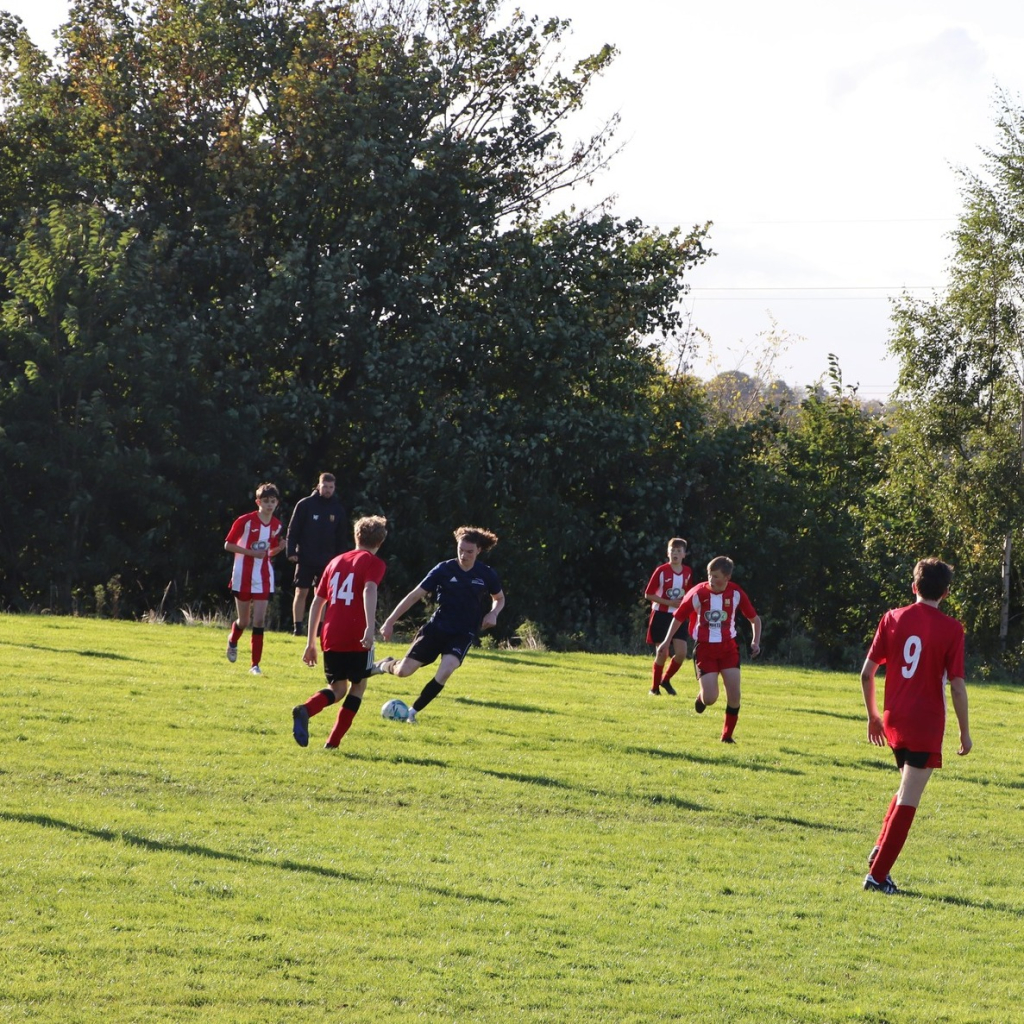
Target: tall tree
x=317, y=232
x=962, y=375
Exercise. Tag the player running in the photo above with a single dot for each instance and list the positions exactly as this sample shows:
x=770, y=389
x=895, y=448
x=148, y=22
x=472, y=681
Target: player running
x=712, y=608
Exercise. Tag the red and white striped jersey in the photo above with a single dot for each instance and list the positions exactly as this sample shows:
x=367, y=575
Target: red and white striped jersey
x=713, y=616
x=250, y=575
x=667, y=583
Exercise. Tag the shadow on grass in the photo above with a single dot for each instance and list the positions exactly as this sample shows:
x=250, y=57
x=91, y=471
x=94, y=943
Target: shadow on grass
x=500, y=705
x=726, y=762
x=963, y=901
x=541, y=662
x=423, y=762
x=829, y=714
x=65, y=650
x=530, y=780
x=193, y=850
x=786, y=819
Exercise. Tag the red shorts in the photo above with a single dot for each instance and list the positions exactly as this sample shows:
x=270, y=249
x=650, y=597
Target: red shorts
x=248, y=595
x=715, y=658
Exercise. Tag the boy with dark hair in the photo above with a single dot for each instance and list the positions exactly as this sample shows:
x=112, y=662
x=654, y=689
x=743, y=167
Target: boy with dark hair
x=254, y=539
x=460, y=587
x=922, y=648
x=712, y=608
x=317, y=531
x=667, y=585
x=348, y=591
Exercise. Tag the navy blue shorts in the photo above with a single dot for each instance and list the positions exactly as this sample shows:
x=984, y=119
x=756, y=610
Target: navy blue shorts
x=432, y=643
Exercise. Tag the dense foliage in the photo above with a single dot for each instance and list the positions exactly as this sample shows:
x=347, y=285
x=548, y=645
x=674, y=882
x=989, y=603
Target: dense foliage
x=255, y=239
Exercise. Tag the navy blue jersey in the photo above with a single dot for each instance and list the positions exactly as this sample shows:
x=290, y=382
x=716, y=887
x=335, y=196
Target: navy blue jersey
x=463, y=598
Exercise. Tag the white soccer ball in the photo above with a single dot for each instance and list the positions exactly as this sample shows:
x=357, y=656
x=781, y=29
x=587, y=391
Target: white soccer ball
x=395, y=710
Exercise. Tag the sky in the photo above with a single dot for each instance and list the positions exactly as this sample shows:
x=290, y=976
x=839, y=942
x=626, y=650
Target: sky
x=821, y=140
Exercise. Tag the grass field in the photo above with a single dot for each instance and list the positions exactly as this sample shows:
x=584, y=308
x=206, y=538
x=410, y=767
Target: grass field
x=548, y=844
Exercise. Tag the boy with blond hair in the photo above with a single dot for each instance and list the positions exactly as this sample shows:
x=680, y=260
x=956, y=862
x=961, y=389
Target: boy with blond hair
x=346, y=598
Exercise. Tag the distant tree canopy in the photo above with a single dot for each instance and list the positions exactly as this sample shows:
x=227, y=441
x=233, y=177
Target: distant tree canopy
x=244, y=240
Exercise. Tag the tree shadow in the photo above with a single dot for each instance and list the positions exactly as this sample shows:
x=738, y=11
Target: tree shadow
x=64, y=650
x=500, y=705
x=728, y=762
x=195, y=850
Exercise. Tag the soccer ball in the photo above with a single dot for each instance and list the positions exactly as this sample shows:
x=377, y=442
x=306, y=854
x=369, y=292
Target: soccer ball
x=395, y=710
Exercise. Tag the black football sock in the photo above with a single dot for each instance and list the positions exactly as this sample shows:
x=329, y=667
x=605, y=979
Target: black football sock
x=429, y=692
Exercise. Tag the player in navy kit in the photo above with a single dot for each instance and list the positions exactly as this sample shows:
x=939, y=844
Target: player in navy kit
x=461, y=587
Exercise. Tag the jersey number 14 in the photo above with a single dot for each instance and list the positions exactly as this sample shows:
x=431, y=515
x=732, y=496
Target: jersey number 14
x=341, y=590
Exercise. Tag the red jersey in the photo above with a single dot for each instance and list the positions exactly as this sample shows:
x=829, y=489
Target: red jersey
x=250, y=575
x=713, y=616
x=667, y=583
x=921, y=648
x=341, y=586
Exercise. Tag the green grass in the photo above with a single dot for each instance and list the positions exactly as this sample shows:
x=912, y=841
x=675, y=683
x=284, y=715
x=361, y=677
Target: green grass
x=549, y=844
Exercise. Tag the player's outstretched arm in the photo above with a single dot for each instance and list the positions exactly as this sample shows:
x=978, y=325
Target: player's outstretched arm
x=400, y=609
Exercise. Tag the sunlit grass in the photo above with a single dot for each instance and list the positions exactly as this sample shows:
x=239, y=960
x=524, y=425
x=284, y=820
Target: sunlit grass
x=548, y=844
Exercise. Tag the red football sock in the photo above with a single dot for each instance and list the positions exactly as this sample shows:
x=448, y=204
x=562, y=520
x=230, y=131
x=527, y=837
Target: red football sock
x=257, y=644
x=317, y=703
x=236, y=632
x=732, y=716
x=671, y=669
x=656, y=675
x=341, y=726
x=892, y=844
x=888, y=817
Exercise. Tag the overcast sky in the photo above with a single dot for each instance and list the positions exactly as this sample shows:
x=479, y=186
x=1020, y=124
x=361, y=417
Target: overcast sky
x=820, y=139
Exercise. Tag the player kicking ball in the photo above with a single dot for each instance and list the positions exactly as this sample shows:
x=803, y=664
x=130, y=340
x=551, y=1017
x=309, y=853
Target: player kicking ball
x=712, y=608
x=922, y=648
x=346, y=599
x=461, y=587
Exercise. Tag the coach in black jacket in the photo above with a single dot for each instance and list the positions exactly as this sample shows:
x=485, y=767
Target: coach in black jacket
x=318, y=531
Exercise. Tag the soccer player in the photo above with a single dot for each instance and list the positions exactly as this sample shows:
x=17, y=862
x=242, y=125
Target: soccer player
x=460, y=587
x=317, y=531
x=712, y=608
x=346, y=598
x=254, y=539
x=922, y=648
x=668, y=584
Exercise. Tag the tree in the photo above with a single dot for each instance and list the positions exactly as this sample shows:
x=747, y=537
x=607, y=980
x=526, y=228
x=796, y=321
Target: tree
x=309, y=237
x=962, y=376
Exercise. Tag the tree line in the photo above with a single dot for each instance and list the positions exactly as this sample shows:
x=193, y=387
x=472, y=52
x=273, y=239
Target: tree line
x=246, y=240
